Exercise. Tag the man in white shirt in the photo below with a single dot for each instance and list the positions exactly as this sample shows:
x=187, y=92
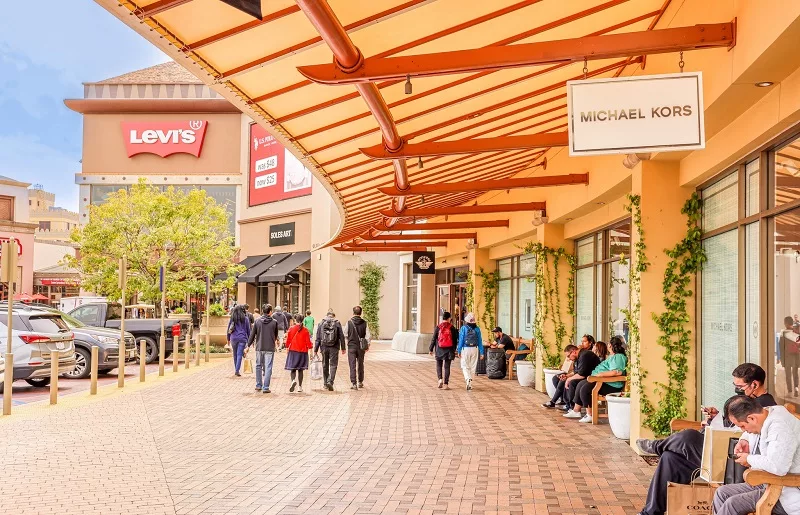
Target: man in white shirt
x=771, y=442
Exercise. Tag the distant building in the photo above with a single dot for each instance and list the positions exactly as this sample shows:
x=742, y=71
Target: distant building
x=15, y=225
x=55, y=223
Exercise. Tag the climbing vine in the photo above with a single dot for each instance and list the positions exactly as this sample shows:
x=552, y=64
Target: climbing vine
x=548, y=300
x=491, y=285
x=686, y=259
x=470, y=293
x=370, y=278
x=635, y=371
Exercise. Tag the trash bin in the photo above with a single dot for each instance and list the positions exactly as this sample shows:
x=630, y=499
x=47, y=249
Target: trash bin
x=481, y=368
x=495, y=363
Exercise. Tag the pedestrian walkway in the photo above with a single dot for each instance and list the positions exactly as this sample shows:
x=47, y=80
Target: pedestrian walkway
x=208, y=443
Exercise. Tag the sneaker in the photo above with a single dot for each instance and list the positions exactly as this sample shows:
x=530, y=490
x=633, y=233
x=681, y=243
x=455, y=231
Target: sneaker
x=548, y=405
x=573, y=414
x=645, y=447
x=237, y=374
x=469, y=385
x=441, y=383
x=360, y=385
x=300, y=389
x=446, y=386
x=258, y=388
x=329, y=387
x=266, y=390
x=294, y=385
x=560, y=404
x=354, y=386
x=587, y=419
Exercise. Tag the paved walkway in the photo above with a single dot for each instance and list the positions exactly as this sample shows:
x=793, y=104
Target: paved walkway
x=205, y=442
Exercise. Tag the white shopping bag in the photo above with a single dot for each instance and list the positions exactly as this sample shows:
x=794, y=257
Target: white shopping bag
x=316, y=368
x=715, y=452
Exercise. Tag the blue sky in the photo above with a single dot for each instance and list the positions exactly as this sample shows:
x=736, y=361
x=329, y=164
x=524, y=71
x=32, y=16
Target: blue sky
x=43, y=60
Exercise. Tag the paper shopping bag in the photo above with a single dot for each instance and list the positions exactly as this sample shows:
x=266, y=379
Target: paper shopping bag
x=691, y=499
x=715, y=452
x=248, y=365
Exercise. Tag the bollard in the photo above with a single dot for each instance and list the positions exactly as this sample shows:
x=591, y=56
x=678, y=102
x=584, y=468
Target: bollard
x=142, y=359
x=208, y=343
x=175, y=355
x=54, y=357
x=162, y=352
x=95, y=357
x=187, y=348
x=8, y=379
x=197, y=351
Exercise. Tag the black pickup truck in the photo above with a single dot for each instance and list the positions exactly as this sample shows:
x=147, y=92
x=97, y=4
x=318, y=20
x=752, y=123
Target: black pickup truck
x=108, y=314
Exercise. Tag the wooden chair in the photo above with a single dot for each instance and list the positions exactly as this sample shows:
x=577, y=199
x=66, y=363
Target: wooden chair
x=679, y=424
x=597, y=398
x=512, y=356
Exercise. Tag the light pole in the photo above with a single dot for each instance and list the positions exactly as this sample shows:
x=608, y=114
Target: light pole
x=8, y=272
x=123, y=279
x=162, y=340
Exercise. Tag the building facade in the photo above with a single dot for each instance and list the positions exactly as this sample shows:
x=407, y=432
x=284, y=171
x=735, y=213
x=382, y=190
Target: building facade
x=15, y=225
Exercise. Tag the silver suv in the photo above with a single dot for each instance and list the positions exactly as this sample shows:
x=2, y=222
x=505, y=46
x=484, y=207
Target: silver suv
x=36, y=338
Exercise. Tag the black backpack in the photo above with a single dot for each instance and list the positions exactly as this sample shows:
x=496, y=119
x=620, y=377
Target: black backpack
x=329, y=332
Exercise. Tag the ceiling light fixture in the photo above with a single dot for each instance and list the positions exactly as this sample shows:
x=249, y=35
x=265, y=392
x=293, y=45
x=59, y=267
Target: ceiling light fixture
x=764, y=84
x=601, y=203
x=408, y=85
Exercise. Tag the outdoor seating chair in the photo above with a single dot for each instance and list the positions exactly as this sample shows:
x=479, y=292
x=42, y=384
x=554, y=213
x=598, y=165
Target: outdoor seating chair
x=679, y=424
x=512, y=356
x=597, y=398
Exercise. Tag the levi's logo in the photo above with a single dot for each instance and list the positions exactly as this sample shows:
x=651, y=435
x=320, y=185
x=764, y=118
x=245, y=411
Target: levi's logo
x=164, y=138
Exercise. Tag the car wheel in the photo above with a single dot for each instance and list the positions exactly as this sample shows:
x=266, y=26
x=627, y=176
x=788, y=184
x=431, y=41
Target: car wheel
x=38, y=382
x=151, y=347
x=82, y=365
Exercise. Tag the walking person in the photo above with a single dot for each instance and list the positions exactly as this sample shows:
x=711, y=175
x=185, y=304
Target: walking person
x=444, y=342
x=264, y=336
x=356, y=334
x=309, y=322
x=238, y=334
x=298, y=343
x=329, y=339
x=470, y=348
x=283, y=325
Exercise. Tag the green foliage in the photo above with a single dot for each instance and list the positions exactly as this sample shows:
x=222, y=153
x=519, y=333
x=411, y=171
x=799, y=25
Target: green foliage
x=548, y=300
x=370, y=279
x=213, y=349
x=633, y=314
x=491, y=285
x=470, y=292
x=686, y=259
x=179, y=311
x=186, y=231
x=216, y=310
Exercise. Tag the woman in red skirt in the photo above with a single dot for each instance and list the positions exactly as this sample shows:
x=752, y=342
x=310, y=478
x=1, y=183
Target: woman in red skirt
x=298, y=343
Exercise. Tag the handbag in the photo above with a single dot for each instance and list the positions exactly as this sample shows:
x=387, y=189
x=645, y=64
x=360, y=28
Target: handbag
x=364, y=343
x=316, y=368
x=734, y=473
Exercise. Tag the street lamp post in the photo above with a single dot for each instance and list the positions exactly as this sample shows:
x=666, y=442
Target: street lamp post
x=8, y=272
x=162, y=340
x=123, y=279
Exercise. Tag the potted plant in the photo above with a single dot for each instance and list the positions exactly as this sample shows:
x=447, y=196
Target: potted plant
x=218, y=324
x=179, y=314
x=619, y=414
x=526, y=371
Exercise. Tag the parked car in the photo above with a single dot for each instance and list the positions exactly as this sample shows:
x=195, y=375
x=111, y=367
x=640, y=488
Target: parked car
x=36, y=338
x=108, y=314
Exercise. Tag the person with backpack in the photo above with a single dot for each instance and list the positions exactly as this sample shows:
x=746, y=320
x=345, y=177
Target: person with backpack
x=264, y=336
x=238, y=334
x=298, y=343
x=470, y=348
x=356, y=334
x=329, y=336
x=444, y=341
x=283, y=325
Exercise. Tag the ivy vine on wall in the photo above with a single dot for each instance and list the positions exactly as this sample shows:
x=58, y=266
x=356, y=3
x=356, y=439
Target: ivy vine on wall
x=491, y=285
x=370, y=279
x=686, y=259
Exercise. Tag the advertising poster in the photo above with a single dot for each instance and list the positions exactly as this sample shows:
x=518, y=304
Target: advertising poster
x=275, y=174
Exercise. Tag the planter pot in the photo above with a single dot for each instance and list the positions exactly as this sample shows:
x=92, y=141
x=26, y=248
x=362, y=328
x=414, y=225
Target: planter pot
x=219, y=329
x=526, y=373
x=549, y=373
x=619, y=415
x=179, y=316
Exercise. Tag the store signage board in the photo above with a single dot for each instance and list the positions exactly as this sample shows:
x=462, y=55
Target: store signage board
x=164, y=138
x=628, y=115
x=60, y=281
x=281, y=234
x=424, y=262
x=275, y=174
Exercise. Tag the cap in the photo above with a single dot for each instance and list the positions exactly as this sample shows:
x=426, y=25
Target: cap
x=497, y=330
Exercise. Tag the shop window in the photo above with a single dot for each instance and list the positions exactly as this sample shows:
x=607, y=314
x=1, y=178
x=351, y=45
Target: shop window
x=584, y=286
x=787, y=173
x=44, y=226
x=720, y=203
x=787, y=308
x=7, y=208
x=411, y=315
x=751, y=172
x=752, y=326
x=516, y=295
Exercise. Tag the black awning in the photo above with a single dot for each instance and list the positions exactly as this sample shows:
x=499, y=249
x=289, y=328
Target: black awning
x=252, y=273
x=247, y=262
x=278, y=273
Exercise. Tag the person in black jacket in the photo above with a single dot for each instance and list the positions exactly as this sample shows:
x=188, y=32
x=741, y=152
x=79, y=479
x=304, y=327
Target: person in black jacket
x=283, y=326
x=588, y=359
x=329, y=336
x=264, y=335
x=444, y=354
x=354, y=330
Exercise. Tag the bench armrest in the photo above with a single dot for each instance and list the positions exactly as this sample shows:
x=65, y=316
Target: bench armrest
x=679, y=424
x=759, y=477
x=607, y=379
x=517, y=352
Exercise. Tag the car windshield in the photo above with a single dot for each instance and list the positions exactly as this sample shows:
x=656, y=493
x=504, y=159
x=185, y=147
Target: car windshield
x=71, y=321
x=47, y=324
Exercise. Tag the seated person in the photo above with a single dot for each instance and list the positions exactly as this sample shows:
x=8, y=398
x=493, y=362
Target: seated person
x=589, y=356
x=771, y=442
x=502, y=340
x=560, y=380
x=614, y=365
x=681, y=453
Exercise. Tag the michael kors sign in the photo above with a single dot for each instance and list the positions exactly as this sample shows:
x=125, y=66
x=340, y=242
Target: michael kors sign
x=628, y=115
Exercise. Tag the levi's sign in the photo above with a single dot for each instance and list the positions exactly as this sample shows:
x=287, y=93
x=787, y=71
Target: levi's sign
x=628, y=115
x=164, y=138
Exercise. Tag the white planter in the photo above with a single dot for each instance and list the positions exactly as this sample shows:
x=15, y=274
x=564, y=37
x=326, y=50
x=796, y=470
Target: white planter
x=548, y=380
x=526, y=373
x=619, y=415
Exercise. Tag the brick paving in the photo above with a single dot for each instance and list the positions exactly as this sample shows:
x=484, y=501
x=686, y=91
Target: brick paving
x=206, y=443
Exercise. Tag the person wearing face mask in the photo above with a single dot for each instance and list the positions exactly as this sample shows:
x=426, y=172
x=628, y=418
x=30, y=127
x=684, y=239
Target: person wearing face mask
x=681, y=453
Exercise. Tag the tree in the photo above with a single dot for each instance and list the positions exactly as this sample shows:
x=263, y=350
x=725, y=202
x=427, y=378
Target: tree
x=186, y=231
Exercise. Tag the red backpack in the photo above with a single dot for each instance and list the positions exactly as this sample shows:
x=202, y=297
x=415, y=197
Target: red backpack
x=445, y=340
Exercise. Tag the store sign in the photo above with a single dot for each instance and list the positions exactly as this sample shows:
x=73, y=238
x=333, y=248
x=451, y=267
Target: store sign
x=164, y=138
x=424, y=262
x=275, y=174
x=628, y=115
x=281, y=234
x=59, y=281
x=19, y=244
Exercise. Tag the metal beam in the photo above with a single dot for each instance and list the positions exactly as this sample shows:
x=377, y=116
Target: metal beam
x=419, y=237
x=277, y=15
x=468, y=146
x=610, y=46
x=159, y=7
x=472, y=224
x=378, y=248
x=502, y=184
x=466, y=210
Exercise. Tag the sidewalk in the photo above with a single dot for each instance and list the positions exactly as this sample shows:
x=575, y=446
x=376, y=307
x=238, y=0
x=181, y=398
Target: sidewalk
x=205, y=442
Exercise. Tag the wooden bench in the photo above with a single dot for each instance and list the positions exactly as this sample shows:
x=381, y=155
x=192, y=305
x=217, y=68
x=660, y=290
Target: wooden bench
x=679, y=424
x=512, y=355
x=597, y=398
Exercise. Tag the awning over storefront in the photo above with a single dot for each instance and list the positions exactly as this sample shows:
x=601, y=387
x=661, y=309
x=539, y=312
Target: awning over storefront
x=259, y=267
x=278, y=273
x=248, y=262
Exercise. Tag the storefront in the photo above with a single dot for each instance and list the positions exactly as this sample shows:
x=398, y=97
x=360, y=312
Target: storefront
x=56, y=282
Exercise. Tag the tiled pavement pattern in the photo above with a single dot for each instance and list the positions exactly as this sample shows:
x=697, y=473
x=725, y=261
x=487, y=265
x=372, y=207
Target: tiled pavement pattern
x=207, y=443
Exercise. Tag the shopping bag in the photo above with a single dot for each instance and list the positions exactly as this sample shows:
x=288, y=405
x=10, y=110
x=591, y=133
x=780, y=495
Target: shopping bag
x=734, y=473
x=248, y=363
x=316, y=368
x=691, y=499
x=715, y=452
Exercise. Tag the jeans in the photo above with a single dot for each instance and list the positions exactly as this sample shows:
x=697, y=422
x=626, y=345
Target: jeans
x=443, y=364
x=355, y=357
x=330, y=362
x=237, y=348
x=560, y=389
x=583, y=392
x=264, y=369
x=741, y=499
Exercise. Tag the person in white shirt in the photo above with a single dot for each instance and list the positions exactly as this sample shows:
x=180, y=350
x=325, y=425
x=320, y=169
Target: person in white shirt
x=771, y=442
